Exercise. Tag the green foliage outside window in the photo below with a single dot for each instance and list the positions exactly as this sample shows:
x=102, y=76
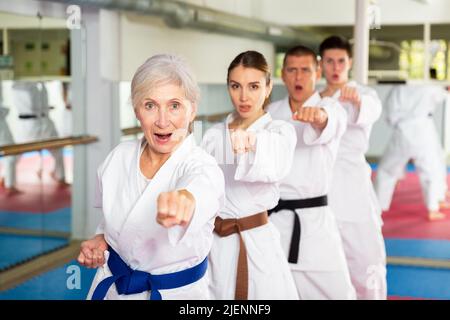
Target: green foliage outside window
x=412, y=58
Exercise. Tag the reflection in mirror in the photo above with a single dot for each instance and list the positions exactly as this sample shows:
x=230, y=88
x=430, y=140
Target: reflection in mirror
x=35, y=104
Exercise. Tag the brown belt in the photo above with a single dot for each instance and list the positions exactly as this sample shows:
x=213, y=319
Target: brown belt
x=226, y=227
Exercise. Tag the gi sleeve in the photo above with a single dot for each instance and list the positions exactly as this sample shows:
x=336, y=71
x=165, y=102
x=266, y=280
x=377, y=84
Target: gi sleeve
x=204, y=179
x=272, y=158
x=98, y=202
x=213, y=142
x=369, y=110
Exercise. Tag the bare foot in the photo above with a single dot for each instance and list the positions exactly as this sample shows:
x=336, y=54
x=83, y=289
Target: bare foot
x=12, y=191
x=54, y=177
x=444, y=205
x=61, y=182
x=436, y=215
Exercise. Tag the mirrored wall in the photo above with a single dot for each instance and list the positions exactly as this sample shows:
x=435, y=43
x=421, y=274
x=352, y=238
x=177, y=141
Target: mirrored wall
x=35, y=105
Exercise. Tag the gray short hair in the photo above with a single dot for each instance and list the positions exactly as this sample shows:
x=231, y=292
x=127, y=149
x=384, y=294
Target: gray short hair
x=162, y=69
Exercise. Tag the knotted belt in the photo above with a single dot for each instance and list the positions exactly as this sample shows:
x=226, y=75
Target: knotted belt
x=298, y=204
x=226, y=227
x=129, y=281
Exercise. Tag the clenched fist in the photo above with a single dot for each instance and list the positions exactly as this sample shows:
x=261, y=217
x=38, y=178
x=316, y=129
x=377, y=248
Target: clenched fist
x=175, y=208
x=350, y=94
x=243, y=141
x=316, y=116
x=92, y=252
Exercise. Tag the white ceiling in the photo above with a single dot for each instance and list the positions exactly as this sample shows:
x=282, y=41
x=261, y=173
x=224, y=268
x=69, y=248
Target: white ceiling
x=14, y=21
x=332, y=12
x=287, y=12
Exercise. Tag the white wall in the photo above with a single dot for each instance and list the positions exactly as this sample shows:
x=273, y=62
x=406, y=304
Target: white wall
x=209, y=54
x=14, y=21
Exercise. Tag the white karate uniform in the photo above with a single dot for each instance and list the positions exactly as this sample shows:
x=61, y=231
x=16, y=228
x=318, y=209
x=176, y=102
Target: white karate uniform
x=251, y=187
x=128, y=201
x=353, y=200
x=67, y=118
x=8, y=171
x=31, y=98
x=409, y=110
x=321, y=271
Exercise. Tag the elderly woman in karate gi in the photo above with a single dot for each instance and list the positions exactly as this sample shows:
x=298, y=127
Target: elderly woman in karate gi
x=255, y=153
x=159, y=196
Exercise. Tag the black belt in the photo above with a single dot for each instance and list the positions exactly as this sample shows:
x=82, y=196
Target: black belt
x=298, y=204
x=30, y=116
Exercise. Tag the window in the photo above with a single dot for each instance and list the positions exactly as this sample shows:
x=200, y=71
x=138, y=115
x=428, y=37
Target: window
x=412, y=58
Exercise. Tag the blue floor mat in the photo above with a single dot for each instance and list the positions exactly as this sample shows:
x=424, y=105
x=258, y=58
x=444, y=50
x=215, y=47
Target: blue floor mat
x=418, y=248
x=70, y=282
x=62, y=284
x=410, y=167
x=16, y=249
x=425, y=283
x=58, y=220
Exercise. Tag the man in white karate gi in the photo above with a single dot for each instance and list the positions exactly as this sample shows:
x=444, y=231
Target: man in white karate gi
x=409, y=110
x=31, y=101
x=309, y=233
x=352, y=197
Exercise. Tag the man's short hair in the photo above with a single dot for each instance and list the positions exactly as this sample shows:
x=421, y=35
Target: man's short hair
x=335, y=42
x=300, y=51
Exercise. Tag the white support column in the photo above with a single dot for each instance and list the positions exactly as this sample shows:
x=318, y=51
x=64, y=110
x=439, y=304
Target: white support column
x=426, y=50
x=97, y=114
x=78, y=78
x=361, y=42
x=5, y=52
x=5, y=42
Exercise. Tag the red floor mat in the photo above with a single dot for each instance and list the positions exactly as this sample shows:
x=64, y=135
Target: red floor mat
x=407, y=217
x=38, y=195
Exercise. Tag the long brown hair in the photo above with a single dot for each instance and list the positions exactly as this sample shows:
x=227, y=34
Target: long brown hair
x=254, y=60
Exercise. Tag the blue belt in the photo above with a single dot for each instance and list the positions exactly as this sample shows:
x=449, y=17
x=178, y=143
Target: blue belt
x=130, y=281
